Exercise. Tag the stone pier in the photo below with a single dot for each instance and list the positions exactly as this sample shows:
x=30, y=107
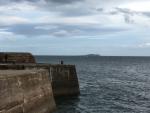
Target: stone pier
x=63, y=78
x=29, y=87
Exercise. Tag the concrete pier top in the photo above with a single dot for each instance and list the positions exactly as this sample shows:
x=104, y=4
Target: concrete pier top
x=12, y=73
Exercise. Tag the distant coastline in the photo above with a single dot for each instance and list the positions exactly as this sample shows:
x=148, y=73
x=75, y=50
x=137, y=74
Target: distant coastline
x=86, y=55
x=92, y=55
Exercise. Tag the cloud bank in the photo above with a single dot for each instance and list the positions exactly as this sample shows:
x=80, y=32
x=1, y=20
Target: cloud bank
x=69, y=20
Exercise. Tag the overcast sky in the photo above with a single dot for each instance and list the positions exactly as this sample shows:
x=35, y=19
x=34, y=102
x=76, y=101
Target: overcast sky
x=76, y=27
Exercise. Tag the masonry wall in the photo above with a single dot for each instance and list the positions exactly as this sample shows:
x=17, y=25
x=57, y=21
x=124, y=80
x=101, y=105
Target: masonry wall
x=63, y=78
x=26, y=91
x=16, y=58
x=28, y=87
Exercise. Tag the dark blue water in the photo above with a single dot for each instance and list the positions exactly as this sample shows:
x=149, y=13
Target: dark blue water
x=107, y=85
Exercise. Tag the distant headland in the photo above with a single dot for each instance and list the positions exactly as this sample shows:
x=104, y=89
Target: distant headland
x=92, y=55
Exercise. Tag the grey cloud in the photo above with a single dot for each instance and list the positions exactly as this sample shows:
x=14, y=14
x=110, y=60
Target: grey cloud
x=27, y=30
x=103, y=3
x=127, y=14
x=131, y=12
x=76, y=11
x=73, y=8
x=3, y=2
x=113, y=12
x=100, y=9
x=62, y=7
x=125, y=11
x=63, y=1
x=24, y=0
x=128, y=19
x=146, y=14
x=33, y=30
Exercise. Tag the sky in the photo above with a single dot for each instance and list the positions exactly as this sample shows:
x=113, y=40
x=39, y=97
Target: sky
x=75, y=27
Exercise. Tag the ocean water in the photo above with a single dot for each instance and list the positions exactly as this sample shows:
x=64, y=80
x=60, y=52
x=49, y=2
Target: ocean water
x=107, y=84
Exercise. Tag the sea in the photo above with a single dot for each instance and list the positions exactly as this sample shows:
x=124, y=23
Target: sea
x=108, y=84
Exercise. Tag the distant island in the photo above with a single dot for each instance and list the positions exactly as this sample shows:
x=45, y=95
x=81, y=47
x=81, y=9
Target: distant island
x=92, y=55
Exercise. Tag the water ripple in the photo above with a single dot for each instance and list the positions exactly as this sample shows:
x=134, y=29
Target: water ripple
x=108, y=85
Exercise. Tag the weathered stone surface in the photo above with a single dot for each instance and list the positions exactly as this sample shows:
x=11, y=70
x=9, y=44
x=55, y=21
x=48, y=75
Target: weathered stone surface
x=64, y=80
x=25, y=91
x=16, y=58
x=63, y=77
x=25, y=86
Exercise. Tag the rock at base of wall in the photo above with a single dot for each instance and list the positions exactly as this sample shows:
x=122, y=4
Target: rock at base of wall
x=26, y=91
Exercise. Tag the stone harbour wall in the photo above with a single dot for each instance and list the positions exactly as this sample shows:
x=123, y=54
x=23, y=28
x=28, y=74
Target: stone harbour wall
x=30, y=87
x=26, y=91
x=12, y=57
x=63, y=78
